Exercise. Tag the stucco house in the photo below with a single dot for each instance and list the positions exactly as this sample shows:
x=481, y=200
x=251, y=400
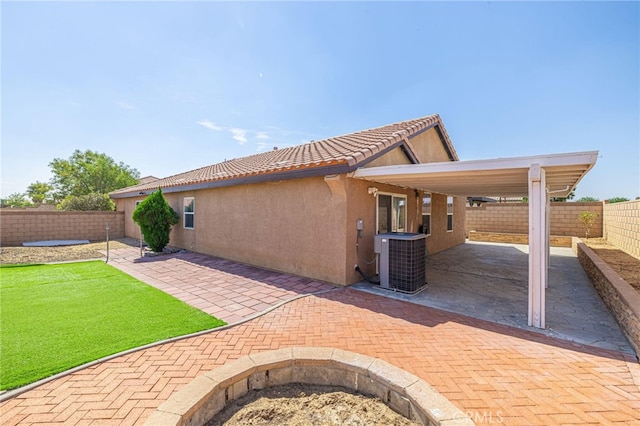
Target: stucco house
x=296, y=209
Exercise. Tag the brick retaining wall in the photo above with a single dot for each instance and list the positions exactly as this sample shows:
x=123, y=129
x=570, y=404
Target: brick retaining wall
x=621, y=299
x=19, y=226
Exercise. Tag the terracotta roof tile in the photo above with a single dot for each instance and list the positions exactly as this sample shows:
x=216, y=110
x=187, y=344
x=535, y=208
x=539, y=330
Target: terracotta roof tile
x=350, y=150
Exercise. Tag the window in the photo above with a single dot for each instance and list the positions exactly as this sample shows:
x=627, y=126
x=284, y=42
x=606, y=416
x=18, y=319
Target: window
x=426, y=214
x=391, y=213
x=449, y=213
x=189, y=211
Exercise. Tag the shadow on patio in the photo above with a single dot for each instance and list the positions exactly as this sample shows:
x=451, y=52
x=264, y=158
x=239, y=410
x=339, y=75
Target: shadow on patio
x=489, y=281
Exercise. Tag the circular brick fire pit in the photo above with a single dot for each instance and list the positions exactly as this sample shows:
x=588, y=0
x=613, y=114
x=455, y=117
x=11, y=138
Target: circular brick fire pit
x=205, y=396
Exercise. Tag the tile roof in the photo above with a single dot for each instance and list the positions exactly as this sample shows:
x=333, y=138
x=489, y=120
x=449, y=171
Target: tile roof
x=147, y=179
x=349, y=151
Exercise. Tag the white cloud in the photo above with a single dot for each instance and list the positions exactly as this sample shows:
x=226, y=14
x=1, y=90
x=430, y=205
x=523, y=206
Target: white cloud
x=261, y=146
x=239, y=134
x=209, y=125
x=125, y=105
x=262, y=135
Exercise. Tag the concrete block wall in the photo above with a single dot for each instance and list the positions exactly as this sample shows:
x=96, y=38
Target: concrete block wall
x=19, y=226
x=514, y=218
x=622, y=226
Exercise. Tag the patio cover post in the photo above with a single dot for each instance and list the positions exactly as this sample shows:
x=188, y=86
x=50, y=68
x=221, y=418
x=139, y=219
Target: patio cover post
x=538, y=242
x=547, y=214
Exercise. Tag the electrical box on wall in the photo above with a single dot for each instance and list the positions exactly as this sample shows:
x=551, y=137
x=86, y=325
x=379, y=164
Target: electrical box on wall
x=359, y=225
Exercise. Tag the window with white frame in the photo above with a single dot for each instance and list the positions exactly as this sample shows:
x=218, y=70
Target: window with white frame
x=426, y=214
x=188, y=212
x=391, y=213
x=449, y=213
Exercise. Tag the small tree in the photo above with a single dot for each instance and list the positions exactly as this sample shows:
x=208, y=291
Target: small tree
x=587, y=219
x=155, y=218
x=89, y=202
x=39, y=192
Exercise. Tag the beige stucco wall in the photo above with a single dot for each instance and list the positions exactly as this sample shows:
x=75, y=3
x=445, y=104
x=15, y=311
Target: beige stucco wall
x=362, y=205
x=295, y=226
x=313, y=234
x=441, y=239
x=428, y=147
x=621, y=223
x=514, y=218
x=392, y=158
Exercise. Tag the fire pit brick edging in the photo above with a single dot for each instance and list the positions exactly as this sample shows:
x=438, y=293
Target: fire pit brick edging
x=206, y=395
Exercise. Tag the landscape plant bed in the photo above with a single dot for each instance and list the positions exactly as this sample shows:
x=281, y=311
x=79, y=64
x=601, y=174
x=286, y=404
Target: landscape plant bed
x=55, y=317
x=627, y=266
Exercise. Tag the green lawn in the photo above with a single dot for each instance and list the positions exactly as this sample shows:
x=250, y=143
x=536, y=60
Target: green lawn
x=54, y=317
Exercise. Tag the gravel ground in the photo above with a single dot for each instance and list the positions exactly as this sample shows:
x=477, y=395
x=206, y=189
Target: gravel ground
x=15, y=255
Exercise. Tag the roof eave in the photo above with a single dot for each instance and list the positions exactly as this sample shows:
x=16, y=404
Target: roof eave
x=331, y=169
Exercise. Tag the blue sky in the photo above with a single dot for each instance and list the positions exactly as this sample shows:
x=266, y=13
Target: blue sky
x=172, y=86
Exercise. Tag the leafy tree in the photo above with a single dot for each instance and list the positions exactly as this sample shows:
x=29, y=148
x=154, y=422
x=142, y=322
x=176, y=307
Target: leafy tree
x=587, y=199
x=155, y=218
x=39, y=192
x=17, y=199
x=90, y=172
x=100, y=202
x=617, y=200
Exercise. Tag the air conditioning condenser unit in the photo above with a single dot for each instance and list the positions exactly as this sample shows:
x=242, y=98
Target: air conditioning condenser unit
x=402, y=261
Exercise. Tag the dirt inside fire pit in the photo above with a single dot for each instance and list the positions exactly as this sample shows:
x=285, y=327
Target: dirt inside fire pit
x=307, y=405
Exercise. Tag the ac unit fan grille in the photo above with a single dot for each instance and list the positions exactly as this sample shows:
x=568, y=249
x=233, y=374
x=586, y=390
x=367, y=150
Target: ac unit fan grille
x=407, y=264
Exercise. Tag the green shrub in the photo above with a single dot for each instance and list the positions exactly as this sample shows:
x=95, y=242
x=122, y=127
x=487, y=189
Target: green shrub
x=17, y=199
x=617, y=200
x=587, y=199
x=155, y=218
x=99, y=202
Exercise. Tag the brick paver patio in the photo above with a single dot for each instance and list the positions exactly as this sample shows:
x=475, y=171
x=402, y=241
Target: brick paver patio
x=496, y=373
x=227, y=290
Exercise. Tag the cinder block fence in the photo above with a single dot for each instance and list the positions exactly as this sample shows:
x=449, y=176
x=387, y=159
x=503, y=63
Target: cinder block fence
x=513, y=218
x=19, y=226
x=622, y=226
